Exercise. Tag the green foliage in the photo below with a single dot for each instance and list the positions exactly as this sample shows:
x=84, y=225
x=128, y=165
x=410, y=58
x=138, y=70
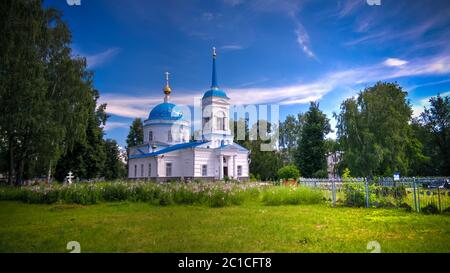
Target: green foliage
x=291, y=195
x=290, y=133
x=354, y=194
x=264, y=164
x=436, y=134
x=205, y=193
x=114, y=167
x=136, y=134
x=374, y=131
x=346, y=174
x=45, y=93
x=288, y=172
x=312, y=149
x=320, y=174
x=431, y=208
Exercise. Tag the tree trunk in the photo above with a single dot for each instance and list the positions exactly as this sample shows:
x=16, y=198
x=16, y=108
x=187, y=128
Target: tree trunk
x=11, y=163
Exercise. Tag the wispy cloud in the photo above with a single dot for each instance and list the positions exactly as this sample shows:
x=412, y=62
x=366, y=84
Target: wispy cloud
x=347, y=7
x=297, y=93
x=232, y=47
x=110, y=125
x=394, y=62
x=101, y=58
x=303, y=40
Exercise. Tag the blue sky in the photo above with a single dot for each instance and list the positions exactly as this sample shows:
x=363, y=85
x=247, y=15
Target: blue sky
x=269, y=51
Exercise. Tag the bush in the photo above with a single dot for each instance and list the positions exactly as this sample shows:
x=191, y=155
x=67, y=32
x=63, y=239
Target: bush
x=354, y=194
x=275, y=196
x=430, y=209
x=289, y=172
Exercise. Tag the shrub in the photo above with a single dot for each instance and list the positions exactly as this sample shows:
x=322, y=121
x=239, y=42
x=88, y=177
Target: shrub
x=289, y=172
x=346, y=174
x=354, y=194
x=431, y=208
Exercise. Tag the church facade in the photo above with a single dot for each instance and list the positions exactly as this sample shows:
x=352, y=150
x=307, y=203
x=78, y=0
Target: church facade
x=167, y=152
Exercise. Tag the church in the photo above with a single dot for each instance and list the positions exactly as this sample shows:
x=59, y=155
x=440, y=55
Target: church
x=168, y=154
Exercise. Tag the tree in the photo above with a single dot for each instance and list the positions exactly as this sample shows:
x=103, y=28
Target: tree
x=311, y=150
x=263, y=164
x=436, y=125
x=374, y=131
x=114, y=167
x=136, y=134
x=87, y=159
x=45, y=93
x=290, y=133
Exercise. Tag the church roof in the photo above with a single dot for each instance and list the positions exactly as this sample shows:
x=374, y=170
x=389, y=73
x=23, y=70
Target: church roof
x=233, y=146
x=214, y=91
x=170, y=149
x=166, y=111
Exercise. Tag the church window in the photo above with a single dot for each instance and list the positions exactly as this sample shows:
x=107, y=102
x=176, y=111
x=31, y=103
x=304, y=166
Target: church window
x=149, y=169
x=135, y=170
x=150, y=136
x=220, y=121
x=204, y=170
x=169, y=136
x=239, y=170
x=168, y=169
x=142, y=170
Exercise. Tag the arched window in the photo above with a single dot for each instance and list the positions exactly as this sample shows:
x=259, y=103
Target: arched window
x=150, y=136
x=220, y=121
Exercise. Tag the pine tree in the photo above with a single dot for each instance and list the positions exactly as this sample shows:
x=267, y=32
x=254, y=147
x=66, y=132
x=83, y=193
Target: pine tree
x=311, y=158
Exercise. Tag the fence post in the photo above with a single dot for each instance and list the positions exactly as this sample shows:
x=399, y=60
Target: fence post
x=418, y=198
x=333, y=188
x=439, y=198
x=414, y=194
x=366, y=184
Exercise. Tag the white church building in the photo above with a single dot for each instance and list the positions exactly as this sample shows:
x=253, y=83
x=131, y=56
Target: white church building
x=167, y=152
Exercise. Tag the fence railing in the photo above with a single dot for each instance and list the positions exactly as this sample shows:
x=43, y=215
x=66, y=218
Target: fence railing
x=431, y=194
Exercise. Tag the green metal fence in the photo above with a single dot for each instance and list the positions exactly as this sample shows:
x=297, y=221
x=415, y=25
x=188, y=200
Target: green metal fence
x=427, y=194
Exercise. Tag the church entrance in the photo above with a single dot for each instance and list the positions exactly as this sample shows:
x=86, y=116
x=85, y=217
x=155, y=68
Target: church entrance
x=225, y=171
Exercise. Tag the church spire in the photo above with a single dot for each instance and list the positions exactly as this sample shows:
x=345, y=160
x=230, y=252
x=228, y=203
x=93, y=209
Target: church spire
x=214, y=84
x=167, y=90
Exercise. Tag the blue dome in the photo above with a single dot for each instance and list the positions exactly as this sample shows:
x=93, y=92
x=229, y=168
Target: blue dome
x=215, y=93
x=167, y=111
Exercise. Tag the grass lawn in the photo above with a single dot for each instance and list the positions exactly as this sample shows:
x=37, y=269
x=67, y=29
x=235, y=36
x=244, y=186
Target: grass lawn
x=251, y=227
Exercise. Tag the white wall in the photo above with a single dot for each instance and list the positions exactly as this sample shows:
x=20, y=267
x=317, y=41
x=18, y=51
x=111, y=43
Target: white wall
x=180, y=132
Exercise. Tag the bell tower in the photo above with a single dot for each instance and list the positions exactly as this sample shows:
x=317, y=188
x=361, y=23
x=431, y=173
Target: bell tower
x=216, y=112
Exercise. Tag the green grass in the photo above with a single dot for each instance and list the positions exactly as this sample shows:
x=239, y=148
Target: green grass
x=250, y=227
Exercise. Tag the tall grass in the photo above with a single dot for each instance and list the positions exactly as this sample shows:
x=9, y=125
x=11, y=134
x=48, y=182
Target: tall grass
x=216, y=194
x=292, y=195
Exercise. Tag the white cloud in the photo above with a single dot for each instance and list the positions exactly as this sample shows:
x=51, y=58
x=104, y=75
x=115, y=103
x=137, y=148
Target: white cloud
x=394, y=62
x=102, y=57
x=110, y=125
x=296, y=93
x=232, y=47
